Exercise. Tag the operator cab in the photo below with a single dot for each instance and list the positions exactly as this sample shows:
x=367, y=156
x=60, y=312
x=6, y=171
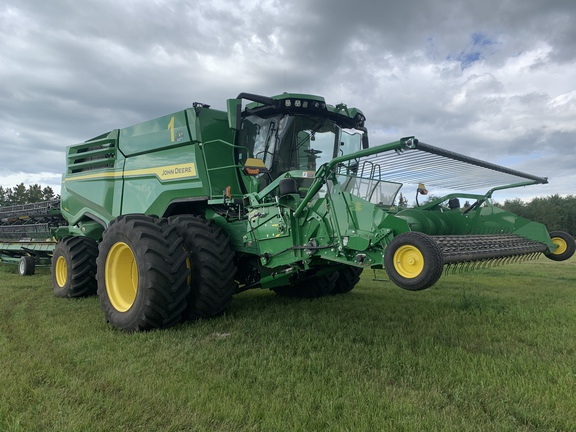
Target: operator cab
x=298, y=135
x=295, y=143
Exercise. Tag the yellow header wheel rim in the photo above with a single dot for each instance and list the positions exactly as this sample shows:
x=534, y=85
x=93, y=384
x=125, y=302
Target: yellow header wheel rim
x=562, y=245
x=408, y=261
x=121, y=277
x=61, y=271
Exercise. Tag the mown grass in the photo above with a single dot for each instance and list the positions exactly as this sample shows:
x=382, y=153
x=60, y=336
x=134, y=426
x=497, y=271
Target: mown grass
x=486, y=350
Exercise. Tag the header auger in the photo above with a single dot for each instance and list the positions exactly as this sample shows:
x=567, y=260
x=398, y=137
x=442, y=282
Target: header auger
x=169, y=218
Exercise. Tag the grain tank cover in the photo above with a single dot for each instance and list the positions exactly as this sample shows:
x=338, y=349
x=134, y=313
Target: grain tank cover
x=158, y=134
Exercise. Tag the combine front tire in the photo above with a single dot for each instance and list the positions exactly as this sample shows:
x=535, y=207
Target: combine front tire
x=142, y=273
x=74, y=267
x=566, y=246
x=413, y=261
x=212, y=268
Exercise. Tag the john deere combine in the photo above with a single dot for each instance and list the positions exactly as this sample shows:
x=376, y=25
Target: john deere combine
x=169, y=218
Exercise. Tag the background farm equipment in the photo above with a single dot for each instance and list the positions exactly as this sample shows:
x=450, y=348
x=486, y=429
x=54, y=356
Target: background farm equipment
x=26, y=234
x=169, y=218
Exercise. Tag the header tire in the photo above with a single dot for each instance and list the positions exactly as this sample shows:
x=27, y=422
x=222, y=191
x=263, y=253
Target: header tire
x=413, y=261
x=566, y=246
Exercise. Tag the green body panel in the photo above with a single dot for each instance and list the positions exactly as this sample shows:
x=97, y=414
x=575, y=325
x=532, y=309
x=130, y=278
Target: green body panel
x=88, y=197
x=92, y=186
x=155, y=135
x=153, y=181
x=181, y=157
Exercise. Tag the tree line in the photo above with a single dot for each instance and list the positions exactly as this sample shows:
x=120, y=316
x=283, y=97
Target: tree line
x=21, y=194
x=555, y=211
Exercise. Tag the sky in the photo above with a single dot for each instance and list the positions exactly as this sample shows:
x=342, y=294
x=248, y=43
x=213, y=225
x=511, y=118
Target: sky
x=494, y=79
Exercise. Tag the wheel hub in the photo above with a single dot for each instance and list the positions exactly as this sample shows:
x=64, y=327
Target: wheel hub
x=61, y=272
x=121, y=277
x=408, y=261
x=562, y=245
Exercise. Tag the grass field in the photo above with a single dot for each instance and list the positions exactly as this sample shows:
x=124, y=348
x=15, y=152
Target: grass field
x=490, y=350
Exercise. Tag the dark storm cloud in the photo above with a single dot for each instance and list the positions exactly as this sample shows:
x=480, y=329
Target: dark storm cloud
x=490, y=78
x=400, y=27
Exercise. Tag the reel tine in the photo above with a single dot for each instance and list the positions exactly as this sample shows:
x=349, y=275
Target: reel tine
x=523, y=258
x=490, y=251
x=455, y=268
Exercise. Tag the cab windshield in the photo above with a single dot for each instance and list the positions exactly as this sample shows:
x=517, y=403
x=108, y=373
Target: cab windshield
x=289, y=143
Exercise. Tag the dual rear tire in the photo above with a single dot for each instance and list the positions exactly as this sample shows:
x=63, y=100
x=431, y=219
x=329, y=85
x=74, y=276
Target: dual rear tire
x=142, y=272
x=148, y=272
x=212, y=268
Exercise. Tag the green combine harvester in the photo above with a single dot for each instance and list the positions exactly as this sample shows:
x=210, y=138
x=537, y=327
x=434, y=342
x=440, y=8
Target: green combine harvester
x=168, y=219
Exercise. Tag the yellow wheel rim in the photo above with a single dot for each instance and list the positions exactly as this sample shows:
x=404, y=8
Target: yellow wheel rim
x=61, y=271
x=408, y=261
x=121, y=277
x=562, y=245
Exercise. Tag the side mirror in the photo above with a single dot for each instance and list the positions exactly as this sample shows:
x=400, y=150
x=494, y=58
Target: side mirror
x=234, y=108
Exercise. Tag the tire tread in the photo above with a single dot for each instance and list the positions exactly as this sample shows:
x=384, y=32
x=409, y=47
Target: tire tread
x=162, y=261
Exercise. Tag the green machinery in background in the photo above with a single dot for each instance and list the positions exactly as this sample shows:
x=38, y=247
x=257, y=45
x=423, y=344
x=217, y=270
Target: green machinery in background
x=26, y=237
x=169, y=218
